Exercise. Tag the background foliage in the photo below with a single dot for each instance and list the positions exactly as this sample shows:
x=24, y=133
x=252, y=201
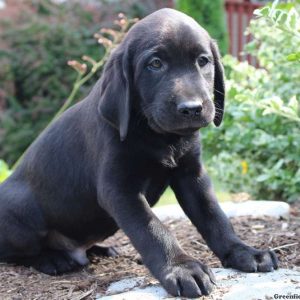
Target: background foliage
x=257, y=148
x=34, y=71
x=211, y=15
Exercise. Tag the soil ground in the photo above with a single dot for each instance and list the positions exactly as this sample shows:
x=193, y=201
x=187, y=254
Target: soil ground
x=23, y=283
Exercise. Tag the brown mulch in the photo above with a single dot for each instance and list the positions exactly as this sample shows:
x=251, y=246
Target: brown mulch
x=22, y=283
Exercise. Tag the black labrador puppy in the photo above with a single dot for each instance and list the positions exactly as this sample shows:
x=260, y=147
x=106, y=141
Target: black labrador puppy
x=108, y=159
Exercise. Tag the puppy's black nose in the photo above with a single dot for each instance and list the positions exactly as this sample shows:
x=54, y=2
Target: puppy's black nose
x=190, y=108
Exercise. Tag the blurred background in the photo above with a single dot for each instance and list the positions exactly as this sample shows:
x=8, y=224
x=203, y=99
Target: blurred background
x=254, y=154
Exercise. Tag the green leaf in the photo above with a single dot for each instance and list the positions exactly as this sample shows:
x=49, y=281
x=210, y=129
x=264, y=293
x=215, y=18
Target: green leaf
x=293, y=56
x=263, y=177
x=292, y=19
x=4, y=171
x=280, y=17
x=262, y=12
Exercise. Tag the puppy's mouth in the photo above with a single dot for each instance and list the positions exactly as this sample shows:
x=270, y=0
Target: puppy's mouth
x=187, y=129
x=153, y=124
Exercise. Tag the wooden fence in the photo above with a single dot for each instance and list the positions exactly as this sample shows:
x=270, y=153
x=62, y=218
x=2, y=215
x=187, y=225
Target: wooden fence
x=239, y=14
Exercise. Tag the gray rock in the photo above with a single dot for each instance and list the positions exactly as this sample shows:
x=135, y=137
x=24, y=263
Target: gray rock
x=231, y=285
x=232, y=209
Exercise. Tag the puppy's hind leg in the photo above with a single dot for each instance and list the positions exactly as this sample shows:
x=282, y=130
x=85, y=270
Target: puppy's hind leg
x=51, y=262
x=22, y=226
x=23, y=232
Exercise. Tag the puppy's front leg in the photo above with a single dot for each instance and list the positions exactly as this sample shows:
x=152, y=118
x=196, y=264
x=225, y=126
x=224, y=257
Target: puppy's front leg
x=179, y=273
x=195, y=194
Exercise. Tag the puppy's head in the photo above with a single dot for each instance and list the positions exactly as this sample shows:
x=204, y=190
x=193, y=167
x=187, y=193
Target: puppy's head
x=167, y=69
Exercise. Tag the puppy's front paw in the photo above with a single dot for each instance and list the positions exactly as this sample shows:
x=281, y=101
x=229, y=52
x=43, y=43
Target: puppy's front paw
x=248, y=259
x=189, y=279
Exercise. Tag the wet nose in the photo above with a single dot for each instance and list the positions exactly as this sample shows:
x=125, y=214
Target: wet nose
x=190, y=108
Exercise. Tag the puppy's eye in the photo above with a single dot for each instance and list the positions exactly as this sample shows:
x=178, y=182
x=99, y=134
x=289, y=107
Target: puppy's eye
x=202, y=61
x=155, y=64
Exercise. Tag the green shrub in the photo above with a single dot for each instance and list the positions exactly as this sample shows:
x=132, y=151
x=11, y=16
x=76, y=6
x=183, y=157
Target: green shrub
x=35, y=74
x=211, y=15
x=258, y=147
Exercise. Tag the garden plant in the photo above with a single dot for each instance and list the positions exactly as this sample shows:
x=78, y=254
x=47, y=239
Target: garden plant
x=258, y=149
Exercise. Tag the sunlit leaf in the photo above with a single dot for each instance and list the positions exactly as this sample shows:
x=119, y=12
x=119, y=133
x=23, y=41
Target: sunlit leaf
x=4, y=171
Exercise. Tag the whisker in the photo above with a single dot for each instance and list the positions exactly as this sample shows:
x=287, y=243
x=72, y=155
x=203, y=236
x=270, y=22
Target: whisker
x=219, y=109
x=219, y=92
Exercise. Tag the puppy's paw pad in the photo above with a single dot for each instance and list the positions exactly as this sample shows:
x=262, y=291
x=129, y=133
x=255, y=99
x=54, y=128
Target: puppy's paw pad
x=188, y=279
x=266, y=261
x=248, y=259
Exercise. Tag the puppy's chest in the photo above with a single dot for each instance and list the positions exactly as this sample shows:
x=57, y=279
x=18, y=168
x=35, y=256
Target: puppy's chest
x=170, y=155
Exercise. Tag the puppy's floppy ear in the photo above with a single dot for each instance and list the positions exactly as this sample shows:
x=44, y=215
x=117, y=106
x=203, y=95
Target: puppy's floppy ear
x=219, y=85
x=115, y=92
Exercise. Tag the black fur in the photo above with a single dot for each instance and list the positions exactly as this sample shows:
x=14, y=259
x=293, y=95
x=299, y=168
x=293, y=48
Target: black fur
x=108, y=159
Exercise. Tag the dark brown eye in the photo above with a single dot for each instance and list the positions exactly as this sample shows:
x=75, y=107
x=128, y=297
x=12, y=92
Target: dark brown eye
x=155, y=64
x=202, y=61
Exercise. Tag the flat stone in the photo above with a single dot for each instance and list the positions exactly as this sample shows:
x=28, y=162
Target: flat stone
x=231, y=285
x=125, y=284
x=257, y=208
